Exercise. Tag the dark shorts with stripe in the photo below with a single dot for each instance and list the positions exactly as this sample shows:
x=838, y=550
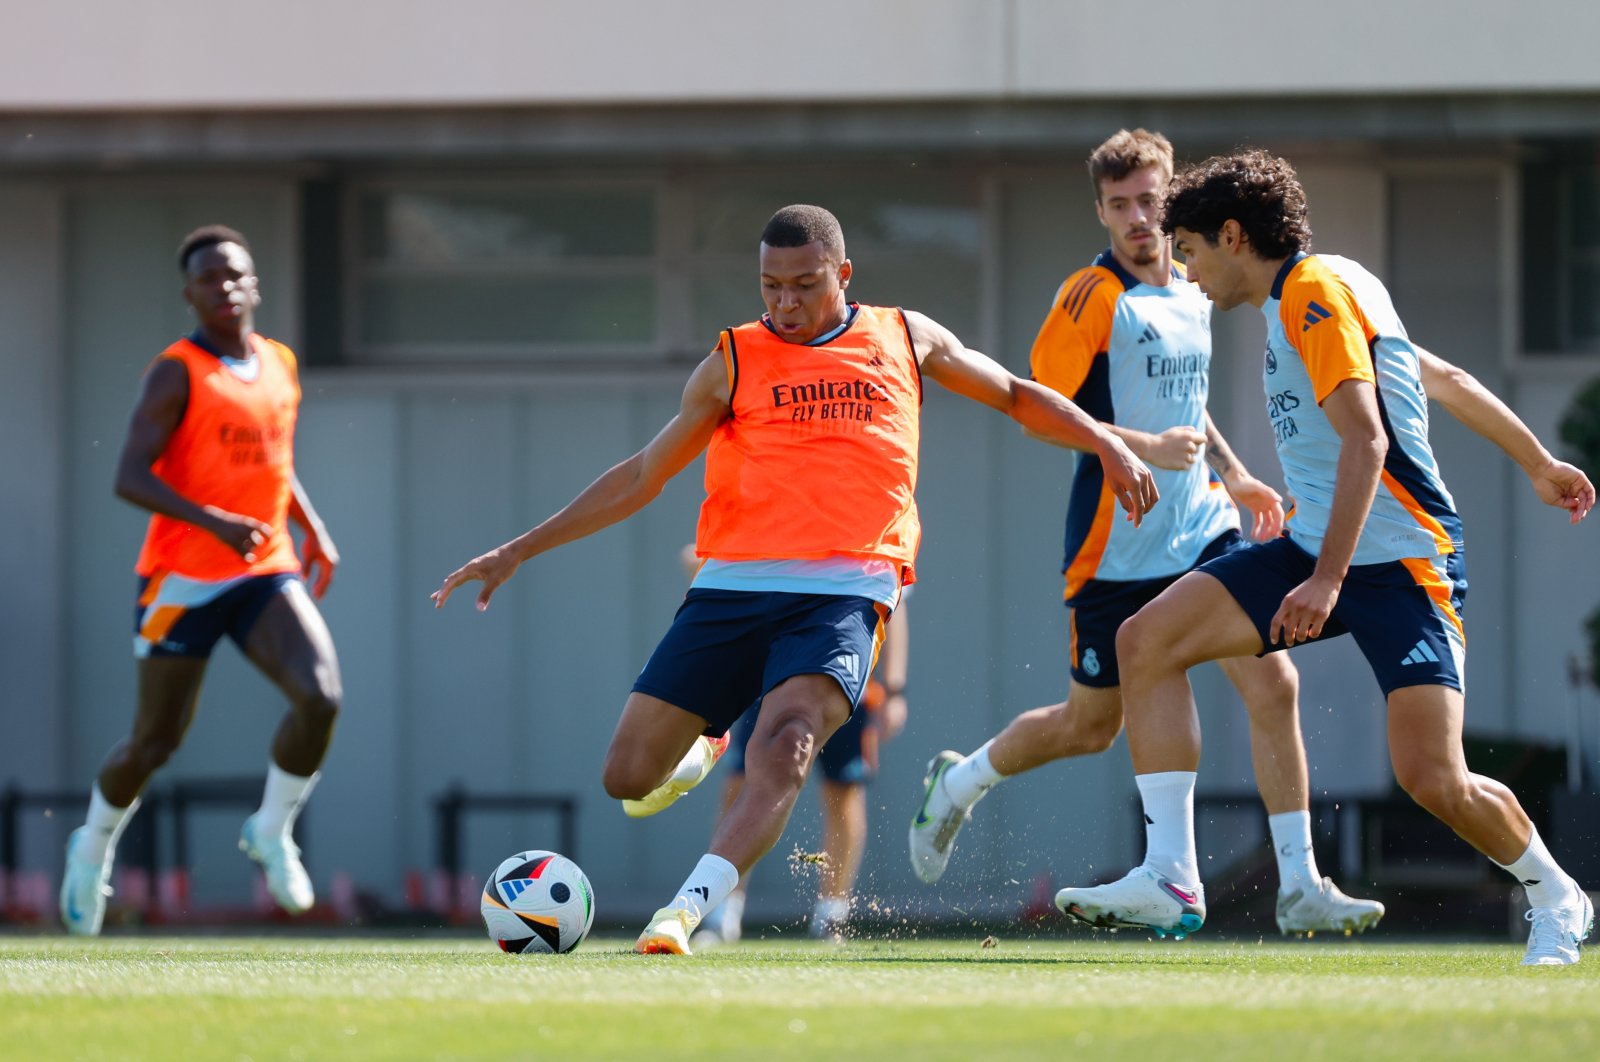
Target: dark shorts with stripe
x=1100, y=607
x=1404, y=615
x=726, y=649
x=850, y=756
x=163, y=627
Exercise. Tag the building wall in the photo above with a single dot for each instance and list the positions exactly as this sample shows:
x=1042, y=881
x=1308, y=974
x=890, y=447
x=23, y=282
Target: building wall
x=379, y=52
x=415, y=470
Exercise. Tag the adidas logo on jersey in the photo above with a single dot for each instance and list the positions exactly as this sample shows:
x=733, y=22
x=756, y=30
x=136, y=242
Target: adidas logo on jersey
x=1149, y=335
x=1315, y=314
x=1420, y=654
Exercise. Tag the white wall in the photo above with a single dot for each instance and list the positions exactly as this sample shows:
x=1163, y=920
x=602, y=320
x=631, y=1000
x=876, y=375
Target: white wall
x=313, y=53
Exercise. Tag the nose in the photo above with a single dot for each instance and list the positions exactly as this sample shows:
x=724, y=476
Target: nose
x=788, y=298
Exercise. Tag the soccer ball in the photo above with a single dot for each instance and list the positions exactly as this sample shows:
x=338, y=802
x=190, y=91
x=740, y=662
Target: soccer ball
x=538, y=902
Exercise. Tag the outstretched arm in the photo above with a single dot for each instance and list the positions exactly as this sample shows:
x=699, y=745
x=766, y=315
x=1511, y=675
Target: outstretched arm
x=1555, y=482
x=617, y=494
x=1040, y=410
x=1264, y=504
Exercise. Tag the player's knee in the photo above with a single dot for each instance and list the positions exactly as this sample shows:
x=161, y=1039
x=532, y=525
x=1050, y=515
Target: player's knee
x=1097, y=732
x=1139, y=644
x=1439, y=791
x=784, y=759
x=627, y=777
x=318, y=709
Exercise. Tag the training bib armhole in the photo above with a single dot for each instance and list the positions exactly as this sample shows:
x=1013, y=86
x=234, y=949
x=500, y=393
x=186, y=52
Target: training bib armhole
x=730, y=360
x=911, y=345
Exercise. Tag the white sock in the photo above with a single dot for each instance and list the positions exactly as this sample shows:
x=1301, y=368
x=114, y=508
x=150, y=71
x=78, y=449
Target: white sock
x=285, y=794
x=693, y=762
x=834, y=909
x=713, y=879
x=967, y=781
x=1291, y=843
x=1169, y=824
x=105, y=823
x=1546, y=883
x=728, y=920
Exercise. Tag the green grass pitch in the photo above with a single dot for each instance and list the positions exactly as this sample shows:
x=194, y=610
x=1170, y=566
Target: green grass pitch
x=1077, y=997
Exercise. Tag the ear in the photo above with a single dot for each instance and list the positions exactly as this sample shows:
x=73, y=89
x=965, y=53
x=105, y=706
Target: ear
x=1232, y=236
x=844, y=274
x=1100, y=212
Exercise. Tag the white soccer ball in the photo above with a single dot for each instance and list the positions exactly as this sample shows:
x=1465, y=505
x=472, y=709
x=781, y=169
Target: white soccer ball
x=538, y=902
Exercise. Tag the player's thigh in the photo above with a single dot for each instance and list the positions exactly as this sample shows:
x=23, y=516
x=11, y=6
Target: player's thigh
x=1425, y=725
x=169, y=690
x=290, y=642
x=652, y=735
x=1194, y=620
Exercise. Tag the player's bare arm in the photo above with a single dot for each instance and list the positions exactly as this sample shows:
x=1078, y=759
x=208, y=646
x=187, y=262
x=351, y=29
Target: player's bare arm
x=1556, y=482
x=620, y=492
x=1264, y=504
x=318, y=555
x=1352, y=409
x=1040, y=410
x=163, y=396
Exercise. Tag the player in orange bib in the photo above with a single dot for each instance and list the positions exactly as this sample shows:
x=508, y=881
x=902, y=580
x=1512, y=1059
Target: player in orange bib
x=210, y=453
x=810, y=420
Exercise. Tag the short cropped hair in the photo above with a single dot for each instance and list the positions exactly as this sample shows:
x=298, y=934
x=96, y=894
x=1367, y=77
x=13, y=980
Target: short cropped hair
x=802, y=223
x=1255, y=188
x=1126, y=152
x=207, y=236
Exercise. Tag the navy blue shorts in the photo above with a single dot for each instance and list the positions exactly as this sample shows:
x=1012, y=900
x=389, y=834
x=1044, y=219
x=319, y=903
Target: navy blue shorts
x=1100, y=607
x=1405, y=615
x=726, y=649
x=850, y=756
x=174, y=615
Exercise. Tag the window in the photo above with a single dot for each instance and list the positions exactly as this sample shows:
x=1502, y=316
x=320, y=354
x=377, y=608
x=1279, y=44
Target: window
x=633, y=268
x=500, y=271
x=1561, y=249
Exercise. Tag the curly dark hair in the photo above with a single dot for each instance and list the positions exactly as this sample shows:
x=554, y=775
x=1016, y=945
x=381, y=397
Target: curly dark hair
x=207, y=236
x=1257, y=189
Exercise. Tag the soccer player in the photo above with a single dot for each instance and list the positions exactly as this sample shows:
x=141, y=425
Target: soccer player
x=849, y=764
x=810, y=417
x=1374, y=548
x=1129, y=340
x=210, y=453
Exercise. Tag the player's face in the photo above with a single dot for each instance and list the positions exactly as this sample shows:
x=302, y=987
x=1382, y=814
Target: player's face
x=1210, y=267
x=803, y=288
x=222, y=287
x=1130, y=209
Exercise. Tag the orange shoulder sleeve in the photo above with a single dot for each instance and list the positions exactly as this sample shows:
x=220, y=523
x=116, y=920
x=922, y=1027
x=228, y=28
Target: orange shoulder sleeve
x=1324, y=323
x=1075, y=331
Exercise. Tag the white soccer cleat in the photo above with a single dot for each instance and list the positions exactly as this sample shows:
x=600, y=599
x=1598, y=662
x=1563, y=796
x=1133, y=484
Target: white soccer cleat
x=692, y=770
x=279, y=857
x=1322, y=908
x=668, y=933
x=934, y=827
x=85, y=885
x=1144, y=899
x=1558, y=933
